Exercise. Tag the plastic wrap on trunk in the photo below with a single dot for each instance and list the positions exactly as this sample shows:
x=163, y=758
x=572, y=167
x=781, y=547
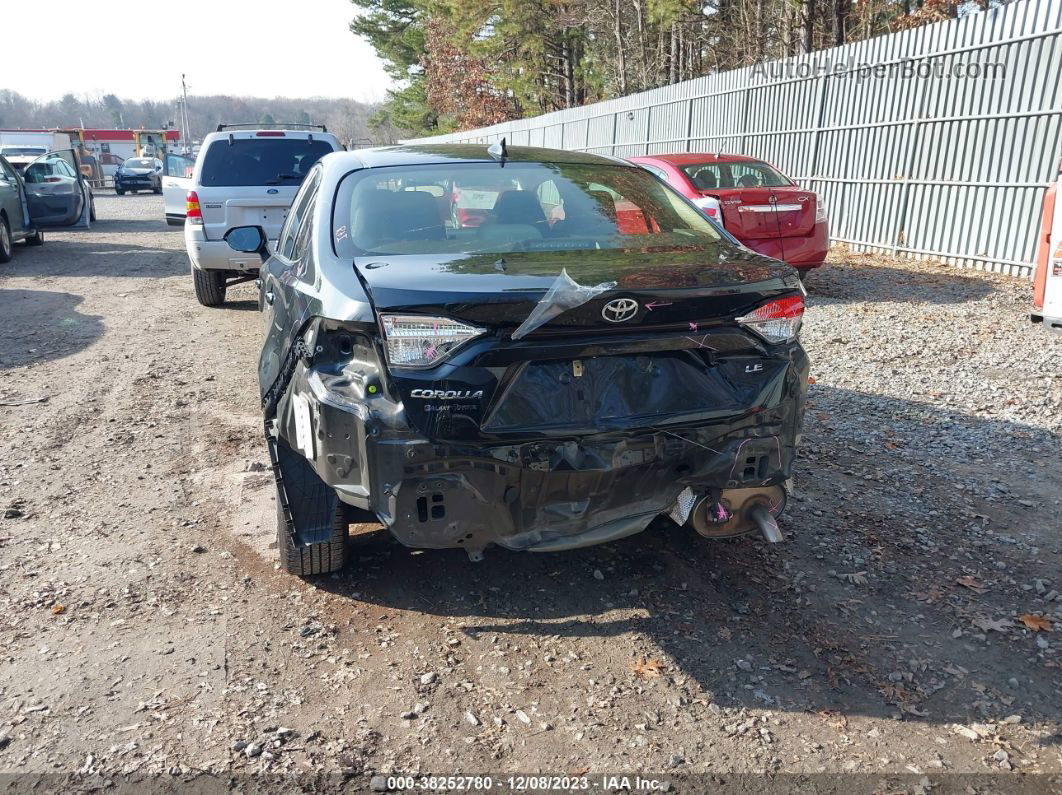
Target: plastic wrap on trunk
x=564, y=294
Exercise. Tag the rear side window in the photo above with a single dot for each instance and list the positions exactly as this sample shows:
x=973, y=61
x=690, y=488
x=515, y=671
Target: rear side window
x=299, y=208
x=260, y=161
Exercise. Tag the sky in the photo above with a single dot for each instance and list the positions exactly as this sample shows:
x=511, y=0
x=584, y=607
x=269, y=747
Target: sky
x=265, y=48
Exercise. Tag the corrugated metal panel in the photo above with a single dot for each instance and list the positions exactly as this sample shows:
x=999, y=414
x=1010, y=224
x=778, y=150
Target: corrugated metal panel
x=908, y=160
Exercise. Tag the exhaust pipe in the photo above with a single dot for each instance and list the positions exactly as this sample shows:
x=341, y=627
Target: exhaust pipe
x=739, y=511
x=760, y=514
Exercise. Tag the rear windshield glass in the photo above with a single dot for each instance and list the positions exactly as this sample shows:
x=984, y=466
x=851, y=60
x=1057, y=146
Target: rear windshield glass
x=483, y=207
x=260, y=161
x=713, y=176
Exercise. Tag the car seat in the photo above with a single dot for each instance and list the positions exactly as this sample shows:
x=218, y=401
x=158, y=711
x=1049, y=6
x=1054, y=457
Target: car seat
x=384, y=217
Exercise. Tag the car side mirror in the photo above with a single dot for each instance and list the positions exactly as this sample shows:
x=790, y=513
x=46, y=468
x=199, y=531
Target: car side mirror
x=248, y=240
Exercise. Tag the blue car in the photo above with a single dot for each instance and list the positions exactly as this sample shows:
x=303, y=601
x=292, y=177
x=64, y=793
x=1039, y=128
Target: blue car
x=139, y=173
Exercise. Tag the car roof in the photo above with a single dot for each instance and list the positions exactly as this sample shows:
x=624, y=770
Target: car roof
x=690, y=158
x=253, y=133
x=439, y=154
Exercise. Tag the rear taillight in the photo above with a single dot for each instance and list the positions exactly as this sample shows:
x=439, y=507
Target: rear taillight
x=776, y=321
x=191, y=208
x=269, y=134
x=709, y=205
x=417, y=341
x=820, y=210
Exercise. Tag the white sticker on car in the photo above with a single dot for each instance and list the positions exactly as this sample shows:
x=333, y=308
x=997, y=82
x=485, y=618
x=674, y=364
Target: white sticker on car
x=303, y=426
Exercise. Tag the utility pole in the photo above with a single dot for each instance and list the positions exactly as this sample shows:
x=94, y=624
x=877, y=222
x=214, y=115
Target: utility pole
x=184, y=95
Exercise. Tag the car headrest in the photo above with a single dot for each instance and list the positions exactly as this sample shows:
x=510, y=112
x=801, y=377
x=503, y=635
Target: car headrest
x=518, y=207
x=706, y=180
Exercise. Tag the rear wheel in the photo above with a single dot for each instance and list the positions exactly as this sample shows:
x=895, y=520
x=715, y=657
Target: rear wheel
x=157, y=189
x=92, y=209
x=119, y=191
x=5, y=241
x=209, y=287
x=319, y=558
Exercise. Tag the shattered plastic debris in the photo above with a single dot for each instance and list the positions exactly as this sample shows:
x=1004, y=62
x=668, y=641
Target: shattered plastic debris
x=565, y=293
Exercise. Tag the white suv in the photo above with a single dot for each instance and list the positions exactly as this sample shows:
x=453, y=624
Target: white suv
x=244, y=177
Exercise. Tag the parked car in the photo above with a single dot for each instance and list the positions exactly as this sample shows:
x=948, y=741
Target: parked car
x=138, y=173
x=757, y=204
x=48, y=193
x=18, y=157
x=592, y=354
x=241, y=177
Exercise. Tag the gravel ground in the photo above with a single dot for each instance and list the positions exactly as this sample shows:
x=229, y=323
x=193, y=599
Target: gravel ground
x=907, y=629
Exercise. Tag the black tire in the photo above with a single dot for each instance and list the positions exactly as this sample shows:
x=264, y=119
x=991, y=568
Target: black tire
x=157, y=190
x=325, y=557
x=209, y=287
x=36, y=239
x=119, y=191
x=6, y=245
x=92, y=210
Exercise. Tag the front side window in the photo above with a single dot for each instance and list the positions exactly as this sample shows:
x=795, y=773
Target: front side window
x=45, y=170
x=260, y=161
x=178, y=165
x=484, y=207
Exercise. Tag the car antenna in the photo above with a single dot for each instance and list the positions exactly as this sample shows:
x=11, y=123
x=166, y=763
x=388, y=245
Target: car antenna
x=498, y=151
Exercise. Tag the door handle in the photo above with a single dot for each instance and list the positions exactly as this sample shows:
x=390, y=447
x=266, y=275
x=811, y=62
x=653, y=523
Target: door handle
x=270, y=298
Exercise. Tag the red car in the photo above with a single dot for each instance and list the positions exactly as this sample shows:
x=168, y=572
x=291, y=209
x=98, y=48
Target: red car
x=755, y=202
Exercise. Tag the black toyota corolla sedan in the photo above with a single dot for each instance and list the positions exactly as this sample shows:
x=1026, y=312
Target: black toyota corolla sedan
x=537, y=349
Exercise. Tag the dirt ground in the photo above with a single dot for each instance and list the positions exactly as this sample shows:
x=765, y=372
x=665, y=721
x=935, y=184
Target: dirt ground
x=909, y=627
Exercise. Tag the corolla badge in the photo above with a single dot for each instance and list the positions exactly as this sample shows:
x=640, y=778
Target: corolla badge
x=447, y=394
x=619, y=309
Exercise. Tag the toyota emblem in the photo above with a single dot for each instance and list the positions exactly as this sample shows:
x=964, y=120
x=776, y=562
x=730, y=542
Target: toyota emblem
x=619, y=309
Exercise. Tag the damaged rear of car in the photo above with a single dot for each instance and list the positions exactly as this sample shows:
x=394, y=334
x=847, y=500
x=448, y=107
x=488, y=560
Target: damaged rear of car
x=589, y=356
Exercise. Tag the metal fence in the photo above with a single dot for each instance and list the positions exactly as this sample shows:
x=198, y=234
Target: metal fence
x=934, y=142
